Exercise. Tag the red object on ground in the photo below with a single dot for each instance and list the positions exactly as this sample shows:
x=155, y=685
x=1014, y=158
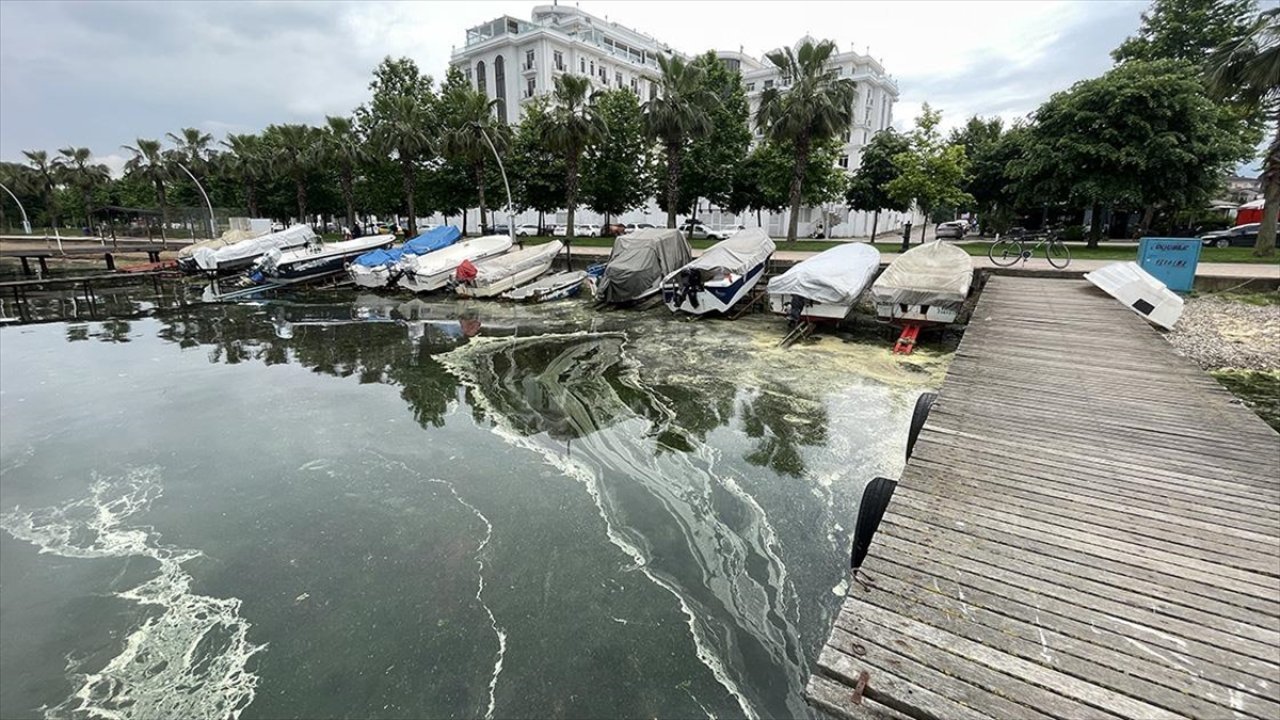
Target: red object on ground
x=907, y=340
x=466, y=271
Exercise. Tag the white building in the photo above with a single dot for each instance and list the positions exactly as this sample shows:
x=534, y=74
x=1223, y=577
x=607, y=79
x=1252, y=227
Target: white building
x=514, y=60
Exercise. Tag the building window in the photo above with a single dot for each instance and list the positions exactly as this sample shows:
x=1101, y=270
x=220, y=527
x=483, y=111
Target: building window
x=751, y=87
x=845, y=136
x=582, y=64
x=768, y=84
x=480, y=84
x=635, y=86
x=593, y=67
x=500, y=86
x=843, y=162
x=618, y=77
x=467, y=71
x=530, y=87
x=558, y=57
x=528, y=60
x=653, y=90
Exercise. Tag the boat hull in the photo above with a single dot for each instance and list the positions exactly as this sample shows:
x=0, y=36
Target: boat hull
x=311, y=268
x=425, y=283
x=373, y=278
x=813, y=312
x=505, y=284
x=556, y=287
x=712, y=298
x=919, y=314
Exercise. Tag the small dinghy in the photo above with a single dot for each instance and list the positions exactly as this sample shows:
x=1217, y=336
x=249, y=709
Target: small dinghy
x=498, y=274
x=239, y=255
x=553, y=287
x=721, y=276
x=638, y=263
x=926, y=285
x=377, y=269
x=424, y=273
x=826, y=286
x=1139, y=291
x=316, y=259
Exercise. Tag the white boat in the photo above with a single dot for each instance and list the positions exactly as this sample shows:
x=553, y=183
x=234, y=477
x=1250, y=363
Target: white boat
x=638, y=263
x=1139, y=291
x=434, y=270
x=378, y=269
x=825, y=286
x=501, y=273
x=927, y=284
x=721, y=276
x=316, y=259
x=244, y=253
x=552, y=287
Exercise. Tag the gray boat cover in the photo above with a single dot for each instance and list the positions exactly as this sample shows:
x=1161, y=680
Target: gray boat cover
x=639, y=262
x=209, y=258
x=837, y=276
x=743, y=250
x=929, y=274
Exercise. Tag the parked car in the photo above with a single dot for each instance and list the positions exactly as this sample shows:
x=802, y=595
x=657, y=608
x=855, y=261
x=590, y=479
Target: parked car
x=1241, y=235
x=498, y=229
x=527, y=230
x=613, y=230
x=581, y=231
x=955, y=229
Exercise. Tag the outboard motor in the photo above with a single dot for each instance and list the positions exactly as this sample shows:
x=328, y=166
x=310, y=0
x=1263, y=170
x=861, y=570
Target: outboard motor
x=794, y=308
x=690, y=286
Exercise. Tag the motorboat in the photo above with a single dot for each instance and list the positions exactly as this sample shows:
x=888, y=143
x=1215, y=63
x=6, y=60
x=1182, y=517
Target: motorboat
x=498, y=274
x=187, y=254
x=242, y=254
x=639, y=262
x=721, y=276
x=377, y=269
x=927, y=284
x=315, y=259
x=434, y=270
x=826, y=286
x=553, y=287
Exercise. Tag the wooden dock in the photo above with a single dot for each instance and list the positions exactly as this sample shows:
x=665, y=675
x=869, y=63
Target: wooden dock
x=1089, y=527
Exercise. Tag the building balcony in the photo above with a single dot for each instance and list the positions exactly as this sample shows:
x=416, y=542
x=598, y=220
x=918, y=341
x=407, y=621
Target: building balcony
x=528, y=68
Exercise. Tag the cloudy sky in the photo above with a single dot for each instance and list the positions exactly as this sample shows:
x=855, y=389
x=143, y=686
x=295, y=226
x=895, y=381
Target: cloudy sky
x=100, y=74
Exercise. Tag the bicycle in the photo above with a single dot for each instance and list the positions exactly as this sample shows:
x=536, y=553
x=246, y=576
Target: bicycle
x=1007, y=251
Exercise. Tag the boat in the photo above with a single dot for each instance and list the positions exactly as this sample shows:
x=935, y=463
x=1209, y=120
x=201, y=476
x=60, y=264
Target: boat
x=377, y=269
x=434, y=270
x=926, y=285
x=1140, y=291
x=721, y=276
x=243, y=254
x=826, y=286
x=314, y=260
x=553, y=287
x=639, y=262
x=500, y=273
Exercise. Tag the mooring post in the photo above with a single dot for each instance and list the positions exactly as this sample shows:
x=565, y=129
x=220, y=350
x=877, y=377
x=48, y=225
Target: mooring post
x=44, y=266
x=111, y=261
x=26, y=266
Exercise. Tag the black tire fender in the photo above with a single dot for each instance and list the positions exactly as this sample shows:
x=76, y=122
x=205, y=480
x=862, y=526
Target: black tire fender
x=924, y=404
x=875, y=499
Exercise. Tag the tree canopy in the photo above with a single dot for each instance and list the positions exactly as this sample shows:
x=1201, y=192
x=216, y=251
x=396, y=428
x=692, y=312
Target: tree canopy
x=931, y=171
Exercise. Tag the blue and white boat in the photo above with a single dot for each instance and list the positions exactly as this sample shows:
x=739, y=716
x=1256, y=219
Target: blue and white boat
x=378, y=268
x=315, y=259
x=721, y=276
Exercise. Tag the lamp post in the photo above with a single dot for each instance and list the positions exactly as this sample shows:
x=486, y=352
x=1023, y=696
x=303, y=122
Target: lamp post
x=26, y=226
x=511, y=218
x=213, y=224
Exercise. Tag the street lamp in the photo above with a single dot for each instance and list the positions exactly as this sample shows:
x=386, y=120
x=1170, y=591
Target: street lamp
x=511, y=218
x=26, y=226
x=213, y=224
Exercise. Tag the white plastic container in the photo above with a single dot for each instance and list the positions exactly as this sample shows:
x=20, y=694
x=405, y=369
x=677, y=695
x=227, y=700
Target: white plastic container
x=1139, y=291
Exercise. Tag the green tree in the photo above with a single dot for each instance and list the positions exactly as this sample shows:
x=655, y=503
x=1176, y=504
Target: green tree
x=616, y=177
x=468, y=119
x=822, y=181
x=402, y=121
x=930, y=173
x=193, y=148
x=149, y=162
x=868, y=186
x=46, y=172
x=575, y=125
x=1246, y=68
x=710, y=159
x=747, y=188
x=537, y=170
x=1185, y=30
x=83, y=175
x=678, y=114
x=345, y=150
x=1142, y=134
x=294, y=150
x=246, y=161
x=814, y=105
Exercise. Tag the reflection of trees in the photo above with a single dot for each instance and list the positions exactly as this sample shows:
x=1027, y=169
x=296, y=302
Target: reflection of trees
x=77, y=332
x=783, y=421
x=113, y=331
x=325, y=339
x=698, y=410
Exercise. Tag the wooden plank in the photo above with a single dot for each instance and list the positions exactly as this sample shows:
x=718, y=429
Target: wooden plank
x=834, y=699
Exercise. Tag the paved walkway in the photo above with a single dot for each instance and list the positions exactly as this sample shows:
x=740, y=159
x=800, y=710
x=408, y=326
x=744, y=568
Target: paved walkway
x=1089, y=527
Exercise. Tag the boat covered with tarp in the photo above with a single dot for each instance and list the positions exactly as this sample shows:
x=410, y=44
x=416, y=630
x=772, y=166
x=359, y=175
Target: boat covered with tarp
x=314, y=260
x=825, y=286
x=638, y=263
x=187, y=254
x=927, y=284
x=377, y=268
x=242, y=254
x=434, y=270
x=552, y=287
x=721, y=276
x=500, y=273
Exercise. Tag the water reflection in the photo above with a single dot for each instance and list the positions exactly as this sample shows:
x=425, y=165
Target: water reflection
x=782, y=421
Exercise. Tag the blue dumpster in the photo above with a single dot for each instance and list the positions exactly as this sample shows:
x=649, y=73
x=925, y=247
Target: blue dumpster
x=1171, y=260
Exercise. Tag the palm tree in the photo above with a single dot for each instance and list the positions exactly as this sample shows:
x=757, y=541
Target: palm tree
x=1246, y=70
x=678, y=113
x=817, y=106
x=293, y=151
x=247, y=161
x=404, y=129
x=344, y=148
x=150, y=162
x=574, y=125
x=83, y=175
x=471, y=119
x=193, y=146
x=46, y=171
